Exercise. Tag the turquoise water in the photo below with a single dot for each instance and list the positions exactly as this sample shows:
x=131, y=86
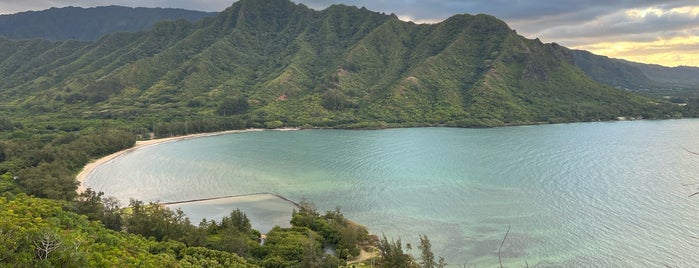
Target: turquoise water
x=582, y=195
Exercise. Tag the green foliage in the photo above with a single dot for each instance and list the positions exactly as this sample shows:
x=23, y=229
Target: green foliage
x=334, y=100
x=7, y=184
x=233, y=106
x=45, y=166
x=232, y=234
x=200, y=125
x=89, y=203
x=294, y=247
x=333, y=227
x=392, y=254
x=160, y=223
x=427, y=256
x=39, y=233
x=96, y=207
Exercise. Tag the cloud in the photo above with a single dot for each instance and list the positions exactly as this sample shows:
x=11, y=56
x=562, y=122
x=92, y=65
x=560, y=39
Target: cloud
x=682, y=50
x=650, y=20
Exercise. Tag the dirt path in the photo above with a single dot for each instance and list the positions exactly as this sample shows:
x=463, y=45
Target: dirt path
x=364, y=256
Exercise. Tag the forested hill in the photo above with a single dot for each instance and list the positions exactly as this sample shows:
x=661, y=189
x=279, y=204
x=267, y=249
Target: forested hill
x=680, y=82
x=274, y=63
x=88, y=23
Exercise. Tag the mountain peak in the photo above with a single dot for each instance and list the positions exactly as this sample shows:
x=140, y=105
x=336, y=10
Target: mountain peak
x=263, y=15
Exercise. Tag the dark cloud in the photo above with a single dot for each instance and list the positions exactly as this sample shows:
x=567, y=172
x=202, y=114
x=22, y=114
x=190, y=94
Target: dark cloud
x=504, y=9
x=622, y=26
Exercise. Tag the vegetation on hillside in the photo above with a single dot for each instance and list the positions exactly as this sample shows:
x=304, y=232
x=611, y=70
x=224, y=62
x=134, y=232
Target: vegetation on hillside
x=678, y=84
x=37, y=232
x=275, y=63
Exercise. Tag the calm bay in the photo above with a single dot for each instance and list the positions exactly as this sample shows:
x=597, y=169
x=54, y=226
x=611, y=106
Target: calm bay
x=611, y=194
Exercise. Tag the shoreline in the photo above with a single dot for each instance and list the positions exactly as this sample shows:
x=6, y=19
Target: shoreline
x=92, y=165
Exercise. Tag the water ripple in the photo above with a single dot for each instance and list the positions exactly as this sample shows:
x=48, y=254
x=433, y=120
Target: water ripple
x=581, y=195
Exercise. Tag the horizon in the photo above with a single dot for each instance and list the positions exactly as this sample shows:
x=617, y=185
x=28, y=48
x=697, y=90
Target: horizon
x=653, y=32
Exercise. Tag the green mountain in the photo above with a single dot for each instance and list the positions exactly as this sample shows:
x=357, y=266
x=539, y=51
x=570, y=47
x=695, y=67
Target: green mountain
x=651, y=79
x=275, y=63
x=88, y=23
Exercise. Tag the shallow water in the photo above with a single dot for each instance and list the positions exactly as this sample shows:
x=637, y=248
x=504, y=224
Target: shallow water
x=264, y=210
x=589, y=194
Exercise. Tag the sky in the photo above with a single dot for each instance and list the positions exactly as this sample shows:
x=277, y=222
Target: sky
x=650, y=31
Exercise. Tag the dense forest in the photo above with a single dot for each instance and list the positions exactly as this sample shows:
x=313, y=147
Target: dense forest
x=265, y=64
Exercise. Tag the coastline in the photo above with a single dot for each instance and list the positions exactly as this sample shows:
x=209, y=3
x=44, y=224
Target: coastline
x=91, y=166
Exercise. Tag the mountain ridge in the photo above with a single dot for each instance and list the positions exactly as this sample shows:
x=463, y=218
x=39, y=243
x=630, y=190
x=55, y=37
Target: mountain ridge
x=86, y=24
x=285, y=64
x=681, y=82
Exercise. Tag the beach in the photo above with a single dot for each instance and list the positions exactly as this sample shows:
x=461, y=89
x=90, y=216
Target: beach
x=90, y=167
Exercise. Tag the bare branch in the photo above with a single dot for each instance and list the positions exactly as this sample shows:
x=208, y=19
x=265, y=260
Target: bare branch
x=502, y=243
x=46, y=242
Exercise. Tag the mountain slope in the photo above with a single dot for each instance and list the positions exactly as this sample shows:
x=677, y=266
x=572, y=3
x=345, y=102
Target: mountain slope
x=88, y=23
x=276, y=63
x=682, y=81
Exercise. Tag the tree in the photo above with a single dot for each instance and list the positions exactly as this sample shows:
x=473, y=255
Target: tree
x=237, y=220
x=46, y=242
x=233, y=234
x=7, y=183
x=426, y=252
x=392, y=254
x=291, y=247
x=334, y=100
x=112, y=213
x=159, y=222
x=233, y=106
x=427, y=256
x=89, y=203
x=49, y=180
x=8, y=243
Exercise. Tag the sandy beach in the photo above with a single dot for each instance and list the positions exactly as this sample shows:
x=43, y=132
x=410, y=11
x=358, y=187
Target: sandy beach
x=90, y=167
